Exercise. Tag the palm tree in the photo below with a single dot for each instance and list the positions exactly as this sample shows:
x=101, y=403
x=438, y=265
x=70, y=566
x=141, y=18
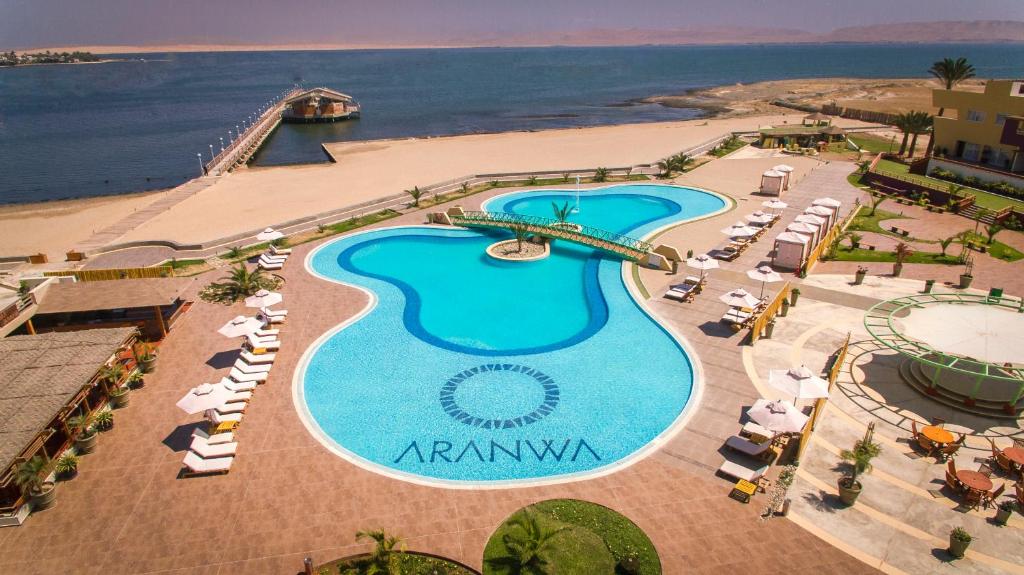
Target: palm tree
x=561, y=213
x=527, y=542
x=902, y=252
x=860, y=456
x=944, y=244
x=29, y=475
x=112, y=373
x=991, y=230
x=963, y=238
x=382, y=560
x=600, y=174
x=921, y=124
x=241, y=282
x=876, y=200
x=521, y=233
x=902, y=123
x=950, y=72
x=415, y=193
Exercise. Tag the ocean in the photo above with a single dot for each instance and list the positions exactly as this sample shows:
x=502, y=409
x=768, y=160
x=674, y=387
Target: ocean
x=69, y=131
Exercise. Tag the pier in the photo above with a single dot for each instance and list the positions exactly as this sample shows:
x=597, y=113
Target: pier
x=248, y=142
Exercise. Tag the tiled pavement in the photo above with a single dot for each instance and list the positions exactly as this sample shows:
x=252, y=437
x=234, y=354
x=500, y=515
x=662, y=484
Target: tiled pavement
x=287, y=496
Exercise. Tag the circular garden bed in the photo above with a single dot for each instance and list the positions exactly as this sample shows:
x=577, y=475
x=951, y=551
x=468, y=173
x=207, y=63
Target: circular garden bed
x=403, y=563
x=569, y=537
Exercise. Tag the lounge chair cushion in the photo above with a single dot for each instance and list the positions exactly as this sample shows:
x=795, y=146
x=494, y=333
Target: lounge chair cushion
x=739, y=471
x=199, y=465
x=214, y=439
x=744, y=445
x=250, y=368
x=254, y=358
x=242, y=377
x=206, y=449
x=233, y=407
x=236, y=386
x=274, y=312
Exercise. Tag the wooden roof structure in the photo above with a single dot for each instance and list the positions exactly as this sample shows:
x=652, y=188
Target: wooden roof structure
x=320, y=93
x=114, y=294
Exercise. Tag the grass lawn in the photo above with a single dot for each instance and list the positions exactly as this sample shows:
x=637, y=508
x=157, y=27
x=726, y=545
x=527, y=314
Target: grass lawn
x=846, y=254
x=865, y=223
x=594, y=540
x=872, y=143
x=723, y=150
x=997, y=249
x=982, y=198
x=405, y=563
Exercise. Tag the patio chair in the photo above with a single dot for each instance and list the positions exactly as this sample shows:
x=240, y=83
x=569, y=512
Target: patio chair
x=948, y=451
x=953, y=483
x=273, y=258
x=951, y=466
x=973, y=498
x=747, y=447
x=926, y=444
x=740, y=471
x=270, y=320
x=985, y=470
x=938, y=422
x=218, y=418
x=683, y=292
x=198, y=466
x=231, y=407
x=1018, y=442
x=245, y=367
x=1020, y=493
x=992, y=496
x=253, y=358
x=207, y=450
x=913, y=430
x=225, y=437
x=753, y=431
x=279, y=251
x=1000, y=458
x=242, y=377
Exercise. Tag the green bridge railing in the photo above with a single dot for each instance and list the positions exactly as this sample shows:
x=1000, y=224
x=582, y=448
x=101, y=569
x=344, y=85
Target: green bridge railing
x=586, y=235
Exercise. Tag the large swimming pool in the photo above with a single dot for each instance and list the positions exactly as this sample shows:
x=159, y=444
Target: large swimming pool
x=465, y=369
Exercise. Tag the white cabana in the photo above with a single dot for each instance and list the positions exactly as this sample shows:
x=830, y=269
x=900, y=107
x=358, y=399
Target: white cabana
x=739, y=297
x=773, y=182
x=739, y=230
x=777, y=415
x=240, y=326
x=760, y=217
x=269, y=235
x=765, y=275
x=791, y=249
x=806, y=229
x=798, y=382
x=263, y=298
x=822, y=212
x=204, y=396
x=702, y=262
x=787, y=170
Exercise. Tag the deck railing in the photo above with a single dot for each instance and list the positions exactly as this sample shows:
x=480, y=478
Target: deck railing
x=757, y=328
x=115, y=273
x=11, y=311
x=587, y=235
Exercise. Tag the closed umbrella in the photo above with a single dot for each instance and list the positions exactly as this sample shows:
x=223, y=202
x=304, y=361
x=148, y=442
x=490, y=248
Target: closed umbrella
x=739, y=230
x=760, y=217
x=263, y=298
x=764, y=274
x=240, y=326
x=269, y=235
x=702, y=262
x=739, y=297
x=775, y=204
x=204, y=396
x=799, y=382
x=777, y=415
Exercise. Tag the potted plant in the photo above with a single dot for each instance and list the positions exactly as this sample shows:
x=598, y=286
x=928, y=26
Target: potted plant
x=785, y=308
x=84, y=430
x=858, y=278
x=902, y=252
x=118, y=397
x=959, y=540
x=769, y=328
x=104, y=420
x=794, y=295
x=66, y=466
x=777, y=502
x=967, y=276
x=860, y=459
x=1003, y=512
x=135, y=380
x=112, y=373
x=145, y=357
x=855, y=239
x=31, y=477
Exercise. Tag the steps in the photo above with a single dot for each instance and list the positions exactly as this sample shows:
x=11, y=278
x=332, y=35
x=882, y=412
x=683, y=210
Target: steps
x=912, y=373
x=971, y=212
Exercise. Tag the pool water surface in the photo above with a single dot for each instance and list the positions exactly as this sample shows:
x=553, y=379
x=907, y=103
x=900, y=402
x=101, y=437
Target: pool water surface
x=466, y=369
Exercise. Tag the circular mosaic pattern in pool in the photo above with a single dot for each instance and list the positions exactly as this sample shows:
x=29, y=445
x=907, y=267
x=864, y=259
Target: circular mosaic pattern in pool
x=548, y=401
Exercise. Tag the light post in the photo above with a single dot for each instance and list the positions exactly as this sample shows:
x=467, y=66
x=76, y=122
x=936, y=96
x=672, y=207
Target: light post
x=202, y=169
x=221, y=144
x=577, y=210
x=211, y=153
x=238, y=134
x=231, y=139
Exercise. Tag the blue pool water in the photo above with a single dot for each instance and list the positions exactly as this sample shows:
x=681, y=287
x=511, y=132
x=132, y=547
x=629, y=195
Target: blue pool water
x=470, y=369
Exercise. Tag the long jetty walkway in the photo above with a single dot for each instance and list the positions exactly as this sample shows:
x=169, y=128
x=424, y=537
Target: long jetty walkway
x=625, y=246
x=243, y=147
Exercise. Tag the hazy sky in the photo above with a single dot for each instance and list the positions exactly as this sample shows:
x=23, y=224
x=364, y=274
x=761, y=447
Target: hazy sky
x=64, y=22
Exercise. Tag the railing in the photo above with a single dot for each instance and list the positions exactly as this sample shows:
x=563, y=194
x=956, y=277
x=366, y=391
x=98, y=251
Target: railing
x=819, y=405
x=9, y=313
x=586, y=235
x=826, y=242
x=114, y=273
x=768, y=314
x=250, y=136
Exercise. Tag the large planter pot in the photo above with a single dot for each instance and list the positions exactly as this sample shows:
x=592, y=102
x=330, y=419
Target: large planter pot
x=68, y=476
x=784, y=309
x=148, y=365
x=769, y=329
x=858, y=278
x=793, y=297
x=897, y=269
x=86, y=443
x=965, y=281
x=848, y=491
x=957, y=548
x=1003, y=515
x=45, y=498
x=117, y=401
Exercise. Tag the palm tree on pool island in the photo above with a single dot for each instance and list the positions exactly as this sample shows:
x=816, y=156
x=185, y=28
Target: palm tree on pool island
x=528, y=543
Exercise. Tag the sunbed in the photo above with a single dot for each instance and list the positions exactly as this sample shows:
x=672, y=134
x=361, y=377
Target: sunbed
x=207, y=450
x=267, y=333
x=747, y=447
x=741, y=471
x=269, y=266
x=214, y=439
x=233, y=407
x=279, y=251
x=198, y=466
x=256, y=343
x=253, y=358
x=274, y=312
x=223, y=418
x=242, y=377
x=236, y=386
x=250, y=368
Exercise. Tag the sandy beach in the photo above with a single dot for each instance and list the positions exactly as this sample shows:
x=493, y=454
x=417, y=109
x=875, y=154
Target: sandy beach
x=249, y=199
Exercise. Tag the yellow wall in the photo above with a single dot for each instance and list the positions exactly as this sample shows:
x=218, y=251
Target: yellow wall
x=1001, y=97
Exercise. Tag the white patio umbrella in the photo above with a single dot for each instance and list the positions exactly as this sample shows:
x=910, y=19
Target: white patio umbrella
x=268, y=235
x=783, y=168
x=204, y=396
x=764, y=274
x=827, y=202
x=777, y=415
x=774, y=204
x=799, y=382
x=739, y=297
x=240, y=326
x=702, y=262
x=760, y=217
x=739, y=230
x=263, y=298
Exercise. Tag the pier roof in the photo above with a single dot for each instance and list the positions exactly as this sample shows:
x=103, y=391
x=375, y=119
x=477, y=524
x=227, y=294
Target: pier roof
x=322, y=92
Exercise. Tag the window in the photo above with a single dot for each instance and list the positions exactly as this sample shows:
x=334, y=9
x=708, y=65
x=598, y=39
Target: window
x=999, y=158
x=975, y=116
x=1000, y=119
x=972, y=152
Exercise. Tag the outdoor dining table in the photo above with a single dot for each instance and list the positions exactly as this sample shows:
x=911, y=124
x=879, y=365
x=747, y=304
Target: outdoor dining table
x=974, y=480
x=937, y=434
x=1015, y=454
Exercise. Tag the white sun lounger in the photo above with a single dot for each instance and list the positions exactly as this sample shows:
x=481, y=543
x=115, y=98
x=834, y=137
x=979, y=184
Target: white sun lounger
x=267, y=333
x=207, y=450
x=745, y=446
x=219, y=418
x=254, y=358
x=235, y=407
x=270, y=267
x=270, y=319
x=236, y=386
x=198, y=466
x=267, y=344
x=214, y=439
x=249, y=368
x=273, y=259
x=242, y=377
x=740, y=471
x=279, y=251
x=751, y=428
x=274, y=312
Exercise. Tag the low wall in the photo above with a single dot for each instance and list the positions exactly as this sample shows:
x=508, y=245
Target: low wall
x=983, y=174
